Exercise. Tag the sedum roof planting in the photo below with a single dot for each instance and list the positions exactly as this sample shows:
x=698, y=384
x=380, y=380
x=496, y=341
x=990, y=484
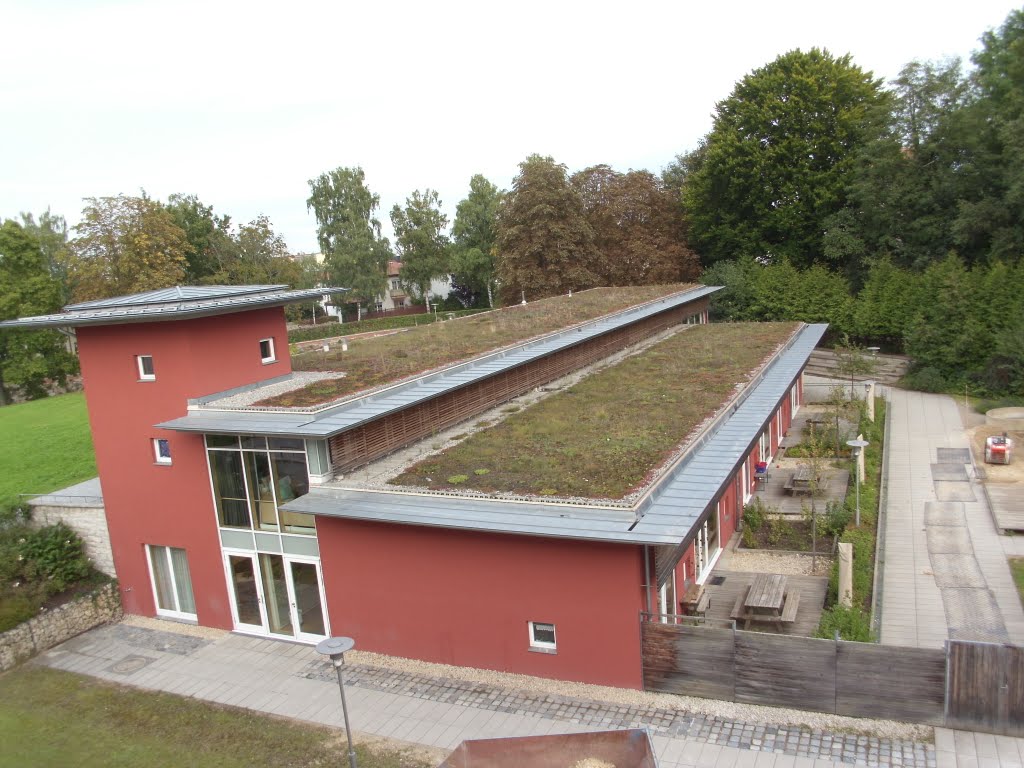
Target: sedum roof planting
x=381, y=360
x=605, y=437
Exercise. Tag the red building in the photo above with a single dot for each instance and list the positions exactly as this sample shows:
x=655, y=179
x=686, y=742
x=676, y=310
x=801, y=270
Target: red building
x=252, y=517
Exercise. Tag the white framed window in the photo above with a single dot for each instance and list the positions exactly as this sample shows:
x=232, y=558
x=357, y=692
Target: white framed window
x=145, y=365
x=162, y=450
x=267, y=351
x=172, y=582
x=542, y=637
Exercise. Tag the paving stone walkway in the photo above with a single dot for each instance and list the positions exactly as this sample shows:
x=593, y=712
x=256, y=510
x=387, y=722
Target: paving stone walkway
x=944, y=571
x=293, y=680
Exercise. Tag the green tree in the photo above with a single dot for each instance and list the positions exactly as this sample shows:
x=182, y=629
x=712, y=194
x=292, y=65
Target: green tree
x=638, y=230
x=356, y=256
x=990, y=212
x=209, y=238
x=257, y=256
x=28, y=358
x=777, y=161
x=886, y=304
x=421, y=242
x=545, y=246
x=125, y=245
x=52, y=233
x=738, y=281
x=473, y=239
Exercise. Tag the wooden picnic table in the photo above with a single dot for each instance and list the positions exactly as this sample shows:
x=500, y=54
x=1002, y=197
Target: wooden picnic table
x=800, y=481
x=766, y=600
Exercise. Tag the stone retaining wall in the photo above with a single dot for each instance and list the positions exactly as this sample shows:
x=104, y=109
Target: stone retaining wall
x=51, y=628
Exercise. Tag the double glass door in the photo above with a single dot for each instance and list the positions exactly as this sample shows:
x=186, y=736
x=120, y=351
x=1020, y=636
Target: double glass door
x=277, y=595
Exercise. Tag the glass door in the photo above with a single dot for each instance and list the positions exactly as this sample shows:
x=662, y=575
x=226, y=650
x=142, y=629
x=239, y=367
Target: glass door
x=307, y=600
x=246, y=596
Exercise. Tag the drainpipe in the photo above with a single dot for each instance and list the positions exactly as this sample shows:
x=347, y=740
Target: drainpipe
x=647, y=576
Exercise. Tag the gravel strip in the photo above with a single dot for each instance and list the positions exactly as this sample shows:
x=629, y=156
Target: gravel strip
x=298, y=380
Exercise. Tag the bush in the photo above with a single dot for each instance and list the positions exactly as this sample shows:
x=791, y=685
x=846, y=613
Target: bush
x=55, y=556
x=754, y=514
x=837, y=516
x=926, y=379
x=852, y=624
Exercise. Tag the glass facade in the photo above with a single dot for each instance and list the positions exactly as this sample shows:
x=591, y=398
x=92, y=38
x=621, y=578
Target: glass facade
x=253, y=476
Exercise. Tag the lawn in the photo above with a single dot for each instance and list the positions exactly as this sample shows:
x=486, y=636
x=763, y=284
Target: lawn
x=603, y=437
x=57, y=718
x=1017, y=569
x=372, y=362
x=45, y=445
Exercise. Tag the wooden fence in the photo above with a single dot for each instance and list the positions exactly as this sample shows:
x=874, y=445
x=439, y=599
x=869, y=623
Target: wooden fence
x=979, y=686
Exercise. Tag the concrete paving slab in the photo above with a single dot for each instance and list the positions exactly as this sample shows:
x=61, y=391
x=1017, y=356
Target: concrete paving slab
x=946, y=490
x=946, y=471
x=944, y=513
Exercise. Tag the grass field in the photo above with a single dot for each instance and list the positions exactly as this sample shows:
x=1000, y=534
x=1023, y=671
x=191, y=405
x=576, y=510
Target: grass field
x=44, y=445
x=57, y=718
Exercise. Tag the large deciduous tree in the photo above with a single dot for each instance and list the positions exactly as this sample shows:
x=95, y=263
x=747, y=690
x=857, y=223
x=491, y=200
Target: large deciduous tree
x=776, y=163
x=473, y=239
x=125, y=245
x=545, y=246
x=257, y=256
x=355, y=254
x=208, y=235
x=421, y=242
x=28, y=357
x=638, y=231
x=51, y=231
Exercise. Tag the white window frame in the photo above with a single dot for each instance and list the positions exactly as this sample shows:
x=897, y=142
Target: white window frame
x=745, y=479
x=542, y=646
x=272, y=357
x=176, y=613
x=143, y=376
x=165, y=460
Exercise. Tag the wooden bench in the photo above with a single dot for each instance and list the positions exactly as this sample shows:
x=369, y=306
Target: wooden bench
x=696, y=604
x=789, y=609
x=739, y=610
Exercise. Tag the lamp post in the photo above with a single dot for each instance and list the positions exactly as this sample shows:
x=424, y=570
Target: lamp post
x=335, y=647
x=857, y=446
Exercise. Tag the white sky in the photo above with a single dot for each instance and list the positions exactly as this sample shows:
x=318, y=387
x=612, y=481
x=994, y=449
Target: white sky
x=241, y=103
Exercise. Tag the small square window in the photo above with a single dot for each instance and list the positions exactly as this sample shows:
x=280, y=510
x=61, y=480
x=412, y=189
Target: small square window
x=162, y=450
x=145, y=363
x=542, y=637
x=267, y=350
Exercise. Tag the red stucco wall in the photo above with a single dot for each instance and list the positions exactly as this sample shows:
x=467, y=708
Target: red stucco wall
x=148, y=503
x=464, y=598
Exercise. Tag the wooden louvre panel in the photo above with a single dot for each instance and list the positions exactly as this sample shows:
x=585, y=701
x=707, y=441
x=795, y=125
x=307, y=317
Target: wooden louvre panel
x=368, y=442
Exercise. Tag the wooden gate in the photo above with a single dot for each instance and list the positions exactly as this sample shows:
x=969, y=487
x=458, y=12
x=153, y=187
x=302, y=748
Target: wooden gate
x=985, y=687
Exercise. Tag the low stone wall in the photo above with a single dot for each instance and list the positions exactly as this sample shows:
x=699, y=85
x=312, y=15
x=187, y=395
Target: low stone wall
x=51, y=628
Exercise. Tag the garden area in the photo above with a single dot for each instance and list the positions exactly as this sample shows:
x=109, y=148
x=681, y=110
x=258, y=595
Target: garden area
x=48, y=717
x=40, y=569
x=823, y=523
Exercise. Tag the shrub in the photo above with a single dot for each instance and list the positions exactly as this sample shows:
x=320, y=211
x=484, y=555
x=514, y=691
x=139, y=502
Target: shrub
x=54, y=555
x=837, y=516
x=852, y=624
x=925, y=379
x=986, y=404
x=754, y=514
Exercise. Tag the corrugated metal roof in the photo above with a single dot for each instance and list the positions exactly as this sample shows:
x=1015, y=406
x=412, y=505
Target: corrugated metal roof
x=176, y=294
x=667, y=516
x=348, y=415
x=198, y=302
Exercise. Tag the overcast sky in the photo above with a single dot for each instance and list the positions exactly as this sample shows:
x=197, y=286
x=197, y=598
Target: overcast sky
x=242, y=103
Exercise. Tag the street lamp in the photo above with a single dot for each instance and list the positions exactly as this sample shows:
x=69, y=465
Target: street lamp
x=335, y=647
x=857, y=446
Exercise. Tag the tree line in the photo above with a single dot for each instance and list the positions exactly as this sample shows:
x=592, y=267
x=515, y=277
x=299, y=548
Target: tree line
x=895, y=214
